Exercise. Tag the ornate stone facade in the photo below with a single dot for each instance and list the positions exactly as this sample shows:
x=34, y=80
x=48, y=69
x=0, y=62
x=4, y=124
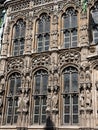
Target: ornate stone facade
x=82, y=60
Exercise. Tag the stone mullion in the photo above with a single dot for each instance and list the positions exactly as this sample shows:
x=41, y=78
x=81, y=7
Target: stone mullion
x=28, y=41
x=4, y=114
x=35, y=28
x=54, y=28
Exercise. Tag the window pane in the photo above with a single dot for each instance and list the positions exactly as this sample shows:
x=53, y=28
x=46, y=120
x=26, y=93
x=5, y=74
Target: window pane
x=9, y=119
x=43, y=118
x=75, y=118
x=15, y=119
x=44, y=110
x=37, y=101
x=73, y=21
x=36, y=119
x=67, y=109
x=45, y=83
x=66, y=22
x=12, y=83
x=37, y=84
x=67, y=100
x=9, y=110
x=75, y=109
x=40, y=27
x=36, y=110
x=66, y=119
x=74, y=82
x=75, y=99
x=66, y=82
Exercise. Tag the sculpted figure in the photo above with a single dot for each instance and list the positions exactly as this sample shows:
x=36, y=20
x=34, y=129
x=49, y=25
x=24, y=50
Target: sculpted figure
x=23, y=103
x=48, y=103
x=81, y=99
x=88, y=98
x=55, y=101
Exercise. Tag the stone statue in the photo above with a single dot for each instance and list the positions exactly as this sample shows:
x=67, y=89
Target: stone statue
x=88, y=77
x=55, y=102
x=81, y=98
x=48, y=109
x=88, y=98
x=23, y=103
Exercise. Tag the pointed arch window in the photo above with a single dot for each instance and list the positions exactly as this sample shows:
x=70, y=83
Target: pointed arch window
x=70, y=96
x=40, y=96
x=14, y=83
x=70, y=28
x=94, y=24
x=18, y=38
x=43, y=33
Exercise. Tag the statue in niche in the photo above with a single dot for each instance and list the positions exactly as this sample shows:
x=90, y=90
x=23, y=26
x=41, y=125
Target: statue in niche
x=23, y=103
x=48, y=109
x=55, y=102
x=81, y=99
x=88, y=77
x=27, y=81
x=88, y=98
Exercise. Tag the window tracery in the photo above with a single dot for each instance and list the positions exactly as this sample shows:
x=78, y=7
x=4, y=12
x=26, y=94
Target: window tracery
x=14, y=83
x=40, y=96
x=94, y=23
x=18, y=39
x=70, y=28
x=43, y=33
x=70, y=96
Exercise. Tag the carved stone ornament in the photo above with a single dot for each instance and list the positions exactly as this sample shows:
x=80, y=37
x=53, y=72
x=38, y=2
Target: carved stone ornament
x=55, y=102
x=21, y=6
x=15, y=63
x=23, y=101
x=81, y=99
x=42, y=60
x=48, y=103
x=88, y=98
x=69, y=57
x=88, y=75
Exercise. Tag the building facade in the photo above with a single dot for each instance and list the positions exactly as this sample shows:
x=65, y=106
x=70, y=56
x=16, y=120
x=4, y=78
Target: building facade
x=49, y=65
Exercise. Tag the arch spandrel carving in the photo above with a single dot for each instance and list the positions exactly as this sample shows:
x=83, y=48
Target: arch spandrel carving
x=69, y=57
x=15, y=63
x=40, y=60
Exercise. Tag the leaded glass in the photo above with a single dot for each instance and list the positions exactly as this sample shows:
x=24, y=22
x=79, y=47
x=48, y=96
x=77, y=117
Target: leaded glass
x=43, y=38
x=12, y=105
x=70, y=28
x=40, y=94
x=70, y=95
x=18, y=37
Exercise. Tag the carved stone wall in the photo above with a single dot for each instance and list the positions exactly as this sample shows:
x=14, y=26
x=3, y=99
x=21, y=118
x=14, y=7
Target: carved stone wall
x=54, y=61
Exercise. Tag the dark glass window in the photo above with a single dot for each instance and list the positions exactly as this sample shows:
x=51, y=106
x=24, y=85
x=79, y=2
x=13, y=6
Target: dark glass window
x=12, y=96
x=18, y=38
x=40, y=96
x=43, y=36
x=94, y=24
x=70, y=96
x=70, y=28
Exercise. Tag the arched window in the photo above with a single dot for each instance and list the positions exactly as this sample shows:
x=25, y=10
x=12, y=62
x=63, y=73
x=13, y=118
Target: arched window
x=94, y=23
x=14, y=83
x=18, y=38
x=70, y=96
x=40, y=96
x=43, y=33
x=70, y=28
